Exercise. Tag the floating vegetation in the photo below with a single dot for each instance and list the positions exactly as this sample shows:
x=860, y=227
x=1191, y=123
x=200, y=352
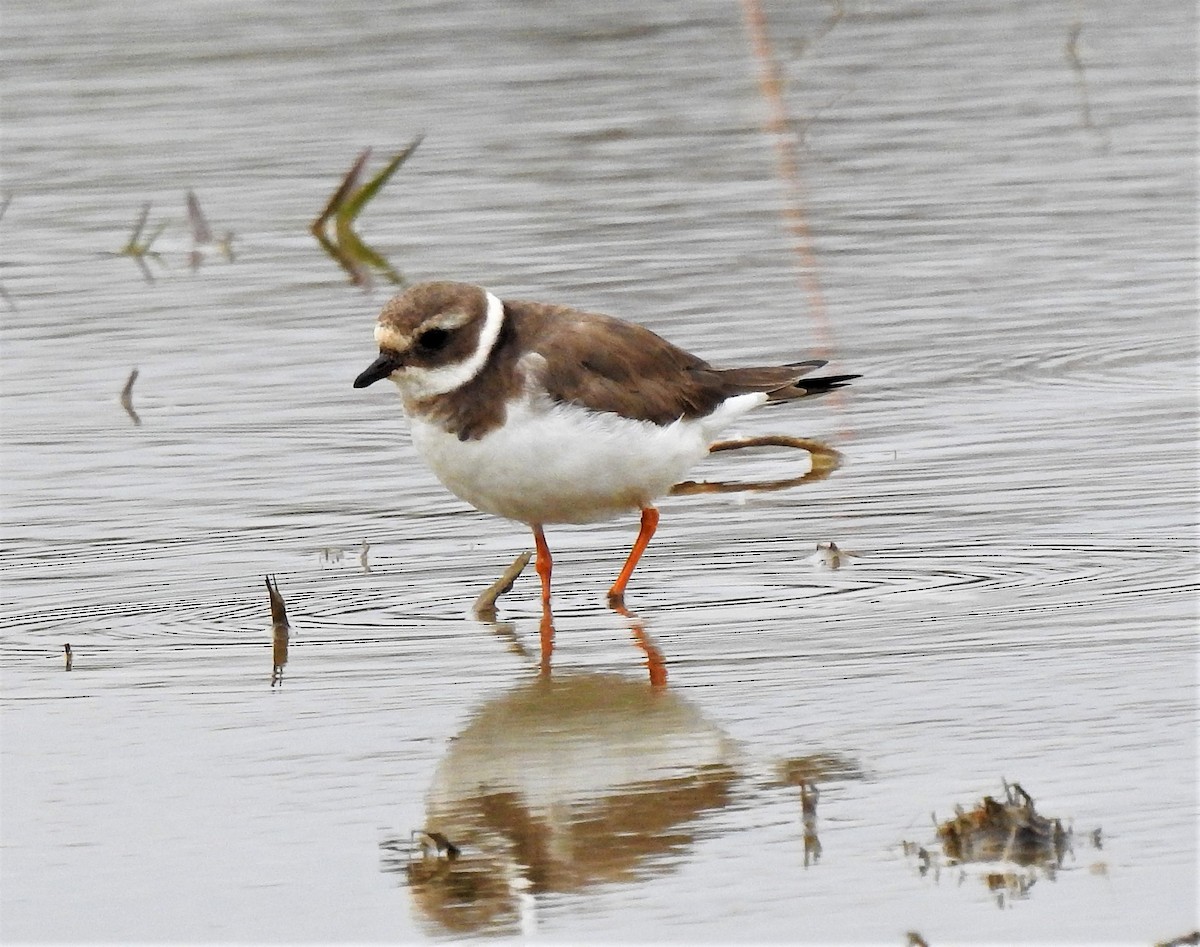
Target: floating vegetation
x=139, y=247
x=127, y=397
x=203, y=241
x=343, y=207
x=1010, y=839
x=1010, y=831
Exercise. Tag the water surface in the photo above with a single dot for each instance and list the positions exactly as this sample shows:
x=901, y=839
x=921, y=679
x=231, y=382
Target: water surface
x=1004, y=228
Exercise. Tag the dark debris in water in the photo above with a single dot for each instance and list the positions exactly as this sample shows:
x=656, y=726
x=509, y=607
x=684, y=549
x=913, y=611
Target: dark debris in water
x=435, y=845
x=1009, y=839
x=1011, y=830
x=127, y=398
x=280, y=629
x=1183, y=941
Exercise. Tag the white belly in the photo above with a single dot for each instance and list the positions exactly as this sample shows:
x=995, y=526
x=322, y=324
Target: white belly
x=564, y=464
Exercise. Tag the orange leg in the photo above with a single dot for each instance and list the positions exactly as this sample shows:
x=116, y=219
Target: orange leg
x=616, y=595
x=543, y=564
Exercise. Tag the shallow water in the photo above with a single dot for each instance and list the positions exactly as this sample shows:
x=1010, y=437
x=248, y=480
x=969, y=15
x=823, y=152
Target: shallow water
x=1005, y=242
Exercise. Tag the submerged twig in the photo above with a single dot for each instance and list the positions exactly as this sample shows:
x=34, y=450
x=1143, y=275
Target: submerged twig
x=1075, y=61
x=127, y=397
x=1184, y=940
x=435, y=844
x=279, y=619
x=279, y=631
x=485, y=604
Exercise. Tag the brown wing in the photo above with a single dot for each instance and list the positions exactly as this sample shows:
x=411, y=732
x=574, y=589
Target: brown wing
x=609, y=365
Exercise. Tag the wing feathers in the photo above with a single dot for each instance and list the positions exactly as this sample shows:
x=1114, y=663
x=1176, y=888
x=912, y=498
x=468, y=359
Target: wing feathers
x=606, y=364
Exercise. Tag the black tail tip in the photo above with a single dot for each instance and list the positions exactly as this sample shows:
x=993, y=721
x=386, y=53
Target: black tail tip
x=818, y=386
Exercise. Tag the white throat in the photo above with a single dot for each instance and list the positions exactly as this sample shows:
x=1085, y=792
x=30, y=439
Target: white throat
x=421, y=383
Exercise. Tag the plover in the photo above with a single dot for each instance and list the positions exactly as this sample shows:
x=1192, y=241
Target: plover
x=545, y=414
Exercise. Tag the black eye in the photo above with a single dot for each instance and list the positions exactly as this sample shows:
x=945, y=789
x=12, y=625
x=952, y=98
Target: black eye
x=432, y=340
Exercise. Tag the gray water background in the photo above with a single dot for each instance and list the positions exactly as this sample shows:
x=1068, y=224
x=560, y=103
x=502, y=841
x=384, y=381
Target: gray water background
x=1006, y=244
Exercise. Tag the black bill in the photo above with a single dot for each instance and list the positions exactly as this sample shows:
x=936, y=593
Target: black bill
x=380, y=368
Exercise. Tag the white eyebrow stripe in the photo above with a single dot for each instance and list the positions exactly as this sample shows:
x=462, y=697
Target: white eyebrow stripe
x=387, y=337
x=455, y=319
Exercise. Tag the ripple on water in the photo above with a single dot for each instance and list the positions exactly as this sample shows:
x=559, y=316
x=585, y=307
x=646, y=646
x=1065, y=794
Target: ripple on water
x=163, y=598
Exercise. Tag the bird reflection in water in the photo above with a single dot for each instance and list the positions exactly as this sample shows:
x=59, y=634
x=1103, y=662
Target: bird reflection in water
x=655, y=663
x=567, y=783
x=279, y=632
x=824, y=460
x=558, y=785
